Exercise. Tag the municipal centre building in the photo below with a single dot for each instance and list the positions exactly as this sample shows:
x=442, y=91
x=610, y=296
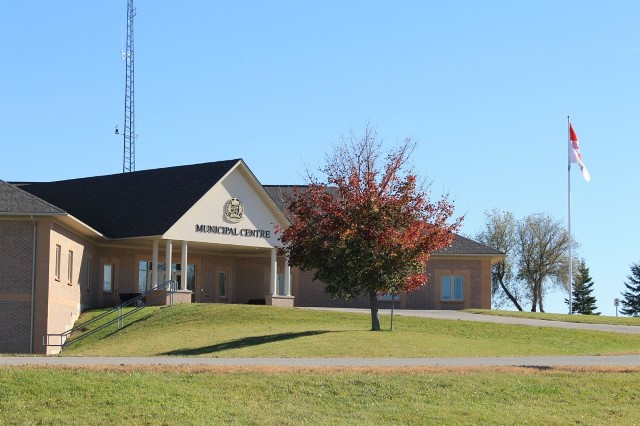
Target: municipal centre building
x=71, y=245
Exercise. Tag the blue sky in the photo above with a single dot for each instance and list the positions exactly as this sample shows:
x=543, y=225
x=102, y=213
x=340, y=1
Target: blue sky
x=484, y=88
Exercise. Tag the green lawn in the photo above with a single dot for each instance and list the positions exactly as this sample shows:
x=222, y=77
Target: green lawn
x=181, y=396
x=216, y=330
x=157, y=395
x=586, y=319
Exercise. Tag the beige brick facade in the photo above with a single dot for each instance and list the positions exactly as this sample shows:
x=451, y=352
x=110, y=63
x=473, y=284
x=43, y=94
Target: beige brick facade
x=16, y=256
x=60, y=299
x=477, y=288
x=57, y=300
x=16, y=281
x=15, y=326
x=66, y=292
x=52, y=262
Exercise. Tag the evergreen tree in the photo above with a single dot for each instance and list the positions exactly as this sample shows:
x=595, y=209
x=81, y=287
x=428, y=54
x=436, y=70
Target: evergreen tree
x=584, y=302
x=631, y=302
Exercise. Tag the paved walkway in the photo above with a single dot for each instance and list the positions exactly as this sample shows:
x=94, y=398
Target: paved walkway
x=466, y=316
x=528, y=361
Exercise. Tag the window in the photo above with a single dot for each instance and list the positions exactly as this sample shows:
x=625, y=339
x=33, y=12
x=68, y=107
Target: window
x=222, y=285
x=452, y=287
x=191, y=277
x=56, y=273
x=87, y=282
x=281, y=291
x=144, y=275
x=178, y=274
x=107, y=283
x=162, y=273
x=70, y=268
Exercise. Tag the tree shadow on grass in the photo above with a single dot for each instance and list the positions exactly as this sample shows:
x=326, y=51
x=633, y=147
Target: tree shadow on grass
x=244, y=342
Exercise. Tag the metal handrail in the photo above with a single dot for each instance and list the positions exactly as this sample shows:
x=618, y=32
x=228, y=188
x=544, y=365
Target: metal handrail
x=140, y=302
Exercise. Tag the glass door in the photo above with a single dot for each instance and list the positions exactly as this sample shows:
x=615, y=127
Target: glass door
x=145, y=272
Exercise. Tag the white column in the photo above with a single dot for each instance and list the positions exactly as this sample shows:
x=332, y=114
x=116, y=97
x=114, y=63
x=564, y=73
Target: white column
x=154, y=265
x=287, y=276
x=167, y=264
x=274, y=271
x=184, y=267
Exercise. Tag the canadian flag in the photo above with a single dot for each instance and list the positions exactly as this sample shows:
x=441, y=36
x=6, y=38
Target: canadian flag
x=574, y=153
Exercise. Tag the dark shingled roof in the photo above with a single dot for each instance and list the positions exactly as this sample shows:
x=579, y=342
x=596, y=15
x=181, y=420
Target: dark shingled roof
x=135, y=204
x=464, y=246
x=461, y=245
x=280, y=194
x=14, y=200
x=148, y=202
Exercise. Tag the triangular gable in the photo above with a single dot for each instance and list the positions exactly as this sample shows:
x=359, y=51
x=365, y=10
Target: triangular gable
x=235, y=211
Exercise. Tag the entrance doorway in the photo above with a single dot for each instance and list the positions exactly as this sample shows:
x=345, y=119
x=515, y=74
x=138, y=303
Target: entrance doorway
x=145, y=274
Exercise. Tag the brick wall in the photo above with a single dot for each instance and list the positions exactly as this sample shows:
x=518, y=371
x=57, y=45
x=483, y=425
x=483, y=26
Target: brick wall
x=311, y=293
x=15, y=327
x=209, y=281
x=247, y=277
x=16, y=279
x=67, y=294
x=428, y=296
x=16, y=257
x=250, y=282
x=125, y=274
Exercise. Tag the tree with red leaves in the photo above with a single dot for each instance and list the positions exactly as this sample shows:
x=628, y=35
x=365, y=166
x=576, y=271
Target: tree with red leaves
x=371, y=228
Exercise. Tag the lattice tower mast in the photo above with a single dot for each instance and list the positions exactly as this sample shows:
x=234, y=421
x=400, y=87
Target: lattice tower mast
x=129, y=133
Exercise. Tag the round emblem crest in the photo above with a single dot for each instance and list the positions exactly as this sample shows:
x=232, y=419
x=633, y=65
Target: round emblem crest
x=233, y=210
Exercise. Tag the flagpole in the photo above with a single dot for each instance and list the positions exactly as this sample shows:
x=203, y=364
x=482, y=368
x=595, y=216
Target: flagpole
x=569, y=208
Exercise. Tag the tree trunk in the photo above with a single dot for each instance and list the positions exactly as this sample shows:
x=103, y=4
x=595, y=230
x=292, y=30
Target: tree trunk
x=510, y=296
x=540, y=297
x=534, y=301
x=375, y=321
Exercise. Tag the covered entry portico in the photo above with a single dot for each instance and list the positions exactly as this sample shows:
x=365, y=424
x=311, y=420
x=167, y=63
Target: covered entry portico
x=218, y=273
x=222, y=248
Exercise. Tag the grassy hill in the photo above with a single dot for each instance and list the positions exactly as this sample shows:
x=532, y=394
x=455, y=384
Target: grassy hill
x=217, y=330
x=351, y=396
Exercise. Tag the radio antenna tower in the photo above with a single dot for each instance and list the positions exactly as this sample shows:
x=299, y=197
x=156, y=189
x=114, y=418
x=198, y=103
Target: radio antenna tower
x=129, y=133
